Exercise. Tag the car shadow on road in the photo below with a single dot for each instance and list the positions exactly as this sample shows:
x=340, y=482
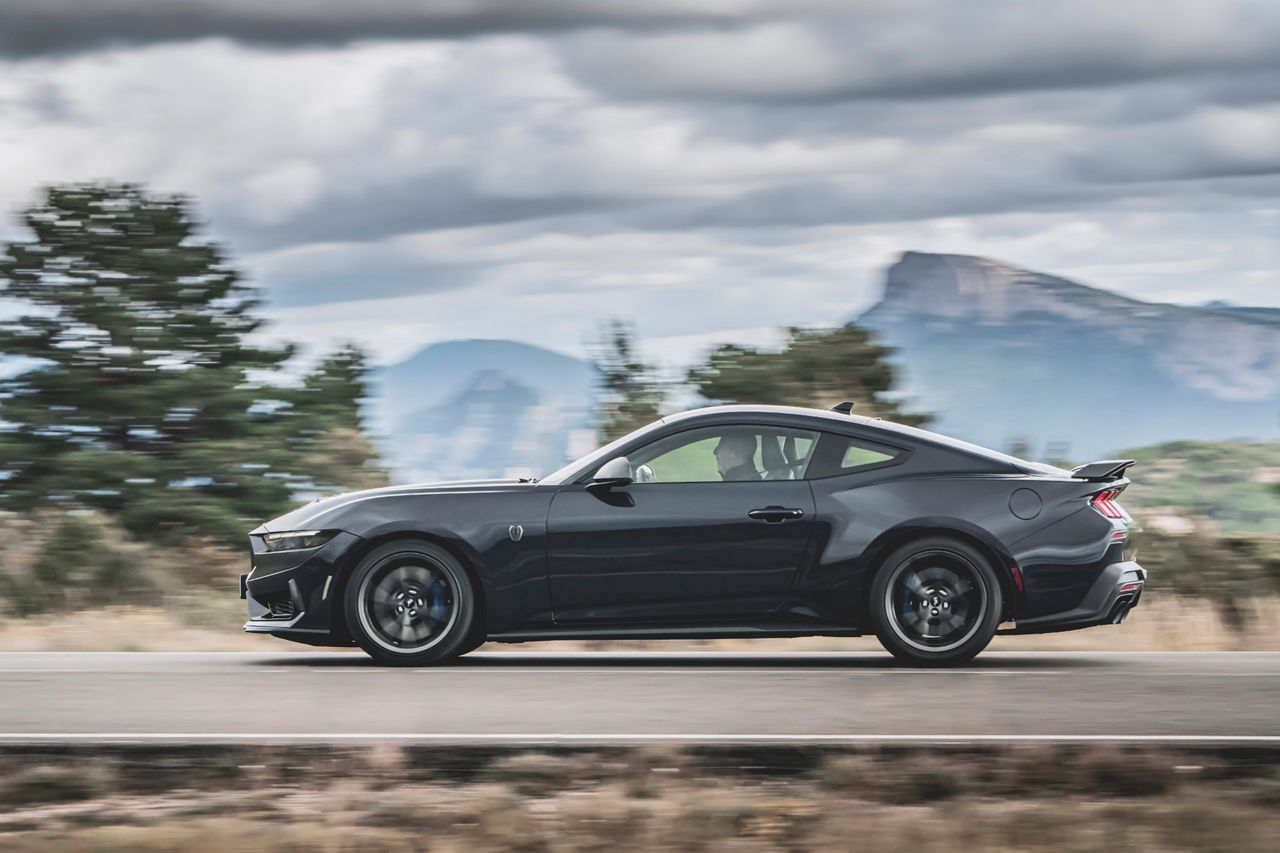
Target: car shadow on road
x=995, y=661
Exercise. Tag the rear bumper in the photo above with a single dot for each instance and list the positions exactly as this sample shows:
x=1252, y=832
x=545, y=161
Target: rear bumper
x=1115, y=592
x=291, y=594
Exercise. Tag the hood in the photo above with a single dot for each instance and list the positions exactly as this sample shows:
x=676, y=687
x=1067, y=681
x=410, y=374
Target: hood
x=322, y=510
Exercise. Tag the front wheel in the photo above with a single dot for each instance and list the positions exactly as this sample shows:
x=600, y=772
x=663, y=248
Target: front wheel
x=935, y=602
x=410, y=603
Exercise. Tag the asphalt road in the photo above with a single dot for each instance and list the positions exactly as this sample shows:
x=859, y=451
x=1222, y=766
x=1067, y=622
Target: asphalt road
x=607, y=697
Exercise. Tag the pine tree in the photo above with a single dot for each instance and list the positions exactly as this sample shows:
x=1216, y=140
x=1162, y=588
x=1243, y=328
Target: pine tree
x=631, y=395
x=340, y=454
x=816, y=367
x=147, y=400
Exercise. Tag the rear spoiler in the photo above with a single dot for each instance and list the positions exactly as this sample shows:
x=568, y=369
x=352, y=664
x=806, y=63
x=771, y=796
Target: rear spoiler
x=1102, y=472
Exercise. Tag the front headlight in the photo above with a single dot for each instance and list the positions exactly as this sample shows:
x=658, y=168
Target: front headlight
x=294, y=540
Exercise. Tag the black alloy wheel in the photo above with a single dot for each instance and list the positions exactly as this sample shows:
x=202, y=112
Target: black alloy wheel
x=936, y=602
x=410, y=603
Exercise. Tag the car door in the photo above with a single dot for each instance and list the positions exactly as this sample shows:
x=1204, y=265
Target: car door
x=682, y=543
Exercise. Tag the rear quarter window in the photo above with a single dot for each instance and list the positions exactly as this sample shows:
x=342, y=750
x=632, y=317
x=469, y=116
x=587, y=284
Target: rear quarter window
x=856, y=455
x=840, y=454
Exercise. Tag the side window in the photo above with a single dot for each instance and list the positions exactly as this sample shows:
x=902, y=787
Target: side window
x=688, y=462
x=725, y=453
x=857, y=454
x=840, y=454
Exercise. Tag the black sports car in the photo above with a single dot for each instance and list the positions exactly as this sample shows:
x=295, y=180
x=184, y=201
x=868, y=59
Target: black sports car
x=730, y=521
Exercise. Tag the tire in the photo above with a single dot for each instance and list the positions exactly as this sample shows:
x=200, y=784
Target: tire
x=477, y=638
x=410, y=603
x=935, y=602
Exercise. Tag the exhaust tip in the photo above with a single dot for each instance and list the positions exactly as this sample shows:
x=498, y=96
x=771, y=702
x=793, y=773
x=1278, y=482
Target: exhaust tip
x=1120, y=609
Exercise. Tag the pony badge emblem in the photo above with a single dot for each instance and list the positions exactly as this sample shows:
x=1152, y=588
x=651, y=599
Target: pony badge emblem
x=515, y=531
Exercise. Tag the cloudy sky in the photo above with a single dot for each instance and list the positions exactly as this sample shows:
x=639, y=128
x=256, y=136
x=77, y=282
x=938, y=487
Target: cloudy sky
x=400, y=172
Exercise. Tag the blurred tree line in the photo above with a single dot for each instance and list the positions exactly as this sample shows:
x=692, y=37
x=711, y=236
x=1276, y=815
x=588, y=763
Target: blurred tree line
x=147, y=412
x=630, y=392
x=1237, y=572
x=145, y=397
x=815, y=367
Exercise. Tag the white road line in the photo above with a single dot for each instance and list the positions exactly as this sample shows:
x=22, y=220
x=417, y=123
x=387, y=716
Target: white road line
x=607, y=738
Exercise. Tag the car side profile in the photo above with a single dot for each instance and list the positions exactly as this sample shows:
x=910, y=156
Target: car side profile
x=727, y=521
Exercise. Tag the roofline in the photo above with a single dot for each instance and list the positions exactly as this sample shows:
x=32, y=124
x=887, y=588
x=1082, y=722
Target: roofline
x=887, y=431
x=763, y=409
x=889, y=427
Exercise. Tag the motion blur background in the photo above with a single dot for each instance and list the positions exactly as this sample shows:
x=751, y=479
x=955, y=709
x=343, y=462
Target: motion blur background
x=260, y=252
x=255, y=252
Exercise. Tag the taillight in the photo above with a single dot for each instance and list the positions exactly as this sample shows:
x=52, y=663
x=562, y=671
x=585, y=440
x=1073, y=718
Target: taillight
x=1104, y=502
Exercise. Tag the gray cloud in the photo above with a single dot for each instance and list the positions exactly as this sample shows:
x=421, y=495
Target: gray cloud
x=36, y=27
x=634, y=153
x=359, y=213
x=813, y=204
x=352, y=273
x=934, y=48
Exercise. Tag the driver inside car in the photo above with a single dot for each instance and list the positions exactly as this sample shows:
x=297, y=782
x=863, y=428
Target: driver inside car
x=734, y=455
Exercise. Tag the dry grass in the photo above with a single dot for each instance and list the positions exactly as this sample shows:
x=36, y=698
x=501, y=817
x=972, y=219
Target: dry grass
x=1163, y=622
x=1044, y=798
x=705, y=821
x=1167, y=622
x=125, y=629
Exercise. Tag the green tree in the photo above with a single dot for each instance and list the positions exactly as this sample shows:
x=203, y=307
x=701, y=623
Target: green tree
x=816, y=367
x=339, y=453
x=630, y=393
x=147, y=400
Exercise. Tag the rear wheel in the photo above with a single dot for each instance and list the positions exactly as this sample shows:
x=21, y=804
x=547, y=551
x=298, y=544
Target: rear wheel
x=410, y=603
x=935, y=602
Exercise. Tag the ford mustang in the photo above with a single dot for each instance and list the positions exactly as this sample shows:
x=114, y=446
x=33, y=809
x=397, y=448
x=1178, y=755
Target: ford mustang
x=728, y=521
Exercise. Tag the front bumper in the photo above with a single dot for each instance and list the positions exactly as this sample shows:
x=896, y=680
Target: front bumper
x=292, y=594
x=1108, y=602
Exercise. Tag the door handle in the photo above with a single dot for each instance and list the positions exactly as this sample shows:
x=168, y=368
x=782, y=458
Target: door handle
x=775, y=514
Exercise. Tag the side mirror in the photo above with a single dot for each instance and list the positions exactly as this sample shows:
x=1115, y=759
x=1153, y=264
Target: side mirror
x=615, y=472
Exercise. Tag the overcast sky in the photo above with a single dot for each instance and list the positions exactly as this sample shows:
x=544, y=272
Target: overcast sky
x=400, y=175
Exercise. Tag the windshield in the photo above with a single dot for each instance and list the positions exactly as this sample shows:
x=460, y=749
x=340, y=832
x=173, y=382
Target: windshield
x=595, y=457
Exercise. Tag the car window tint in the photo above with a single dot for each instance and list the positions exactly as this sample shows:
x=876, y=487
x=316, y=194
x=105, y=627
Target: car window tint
x=694, y=462
x=784, y=454
x=840, y=454
x=857, y=455
x=716, y=454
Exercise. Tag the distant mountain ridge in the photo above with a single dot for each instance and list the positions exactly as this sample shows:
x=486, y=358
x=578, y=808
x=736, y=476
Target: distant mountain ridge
x=1005, y=354
x=1002, y=355
x=1253, y=311
x=482, y=408
x=999, y=354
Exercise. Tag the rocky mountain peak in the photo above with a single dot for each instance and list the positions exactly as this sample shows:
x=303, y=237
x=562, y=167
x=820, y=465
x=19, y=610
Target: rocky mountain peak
x=978, y=340
x=979, y=289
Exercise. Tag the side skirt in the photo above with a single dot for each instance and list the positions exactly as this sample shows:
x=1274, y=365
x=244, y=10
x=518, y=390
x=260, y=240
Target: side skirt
x=671, y=632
